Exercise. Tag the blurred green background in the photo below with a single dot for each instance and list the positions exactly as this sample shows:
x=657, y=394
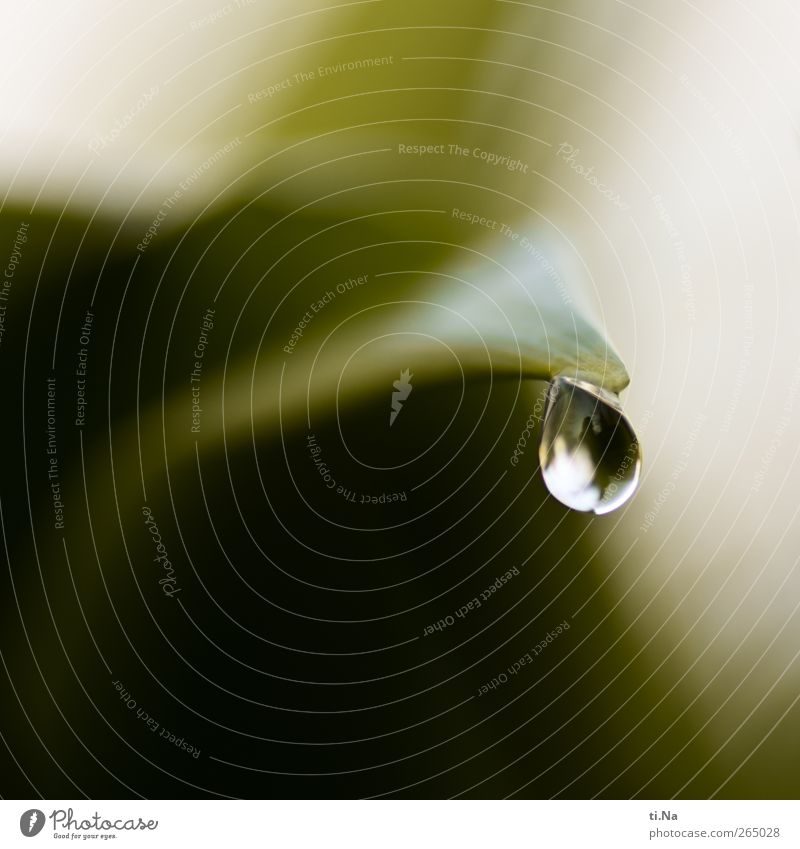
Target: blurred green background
x=196, y=178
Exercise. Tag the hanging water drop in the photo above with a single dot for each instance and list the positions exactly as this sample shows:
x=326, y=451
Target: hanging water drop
x=589, y=453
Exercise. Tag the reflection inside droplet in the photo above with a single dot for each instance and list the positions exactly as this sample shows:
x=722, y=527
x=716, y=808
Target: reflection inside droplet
x=589, y=454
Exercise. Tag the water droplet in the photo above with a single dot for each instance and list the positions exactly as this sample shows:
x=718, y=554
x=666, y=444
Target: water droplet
x=589, y=453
